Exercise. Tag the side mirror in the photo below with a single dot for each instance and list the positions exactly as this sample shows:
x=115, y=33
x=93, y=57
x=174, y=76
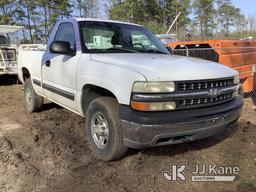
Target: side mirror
x=62, y=47
x=170, y=50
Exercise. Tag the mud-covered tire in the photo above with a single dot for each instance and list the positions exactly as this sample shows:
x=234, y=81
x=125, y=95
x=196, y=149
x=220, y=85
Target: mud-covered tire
x=33, y=102
x=106, y=108
x=241, y=91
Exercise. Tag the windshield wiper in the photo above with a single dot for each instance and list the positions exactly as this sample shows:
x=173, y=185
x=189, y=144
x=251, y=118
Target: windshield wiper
x=155, y=51
x=123, y=49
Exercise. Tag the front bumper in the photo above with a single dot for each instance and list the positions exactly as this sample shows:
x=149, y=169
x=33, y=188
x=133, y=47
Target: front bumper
x=8, y=68
x=148, y=129
x=9, y=71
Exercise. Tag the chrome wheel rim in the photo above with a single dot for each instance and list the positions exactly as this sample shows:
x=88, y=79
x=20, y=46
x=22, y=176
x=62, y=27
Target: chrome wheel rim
x=100, y=130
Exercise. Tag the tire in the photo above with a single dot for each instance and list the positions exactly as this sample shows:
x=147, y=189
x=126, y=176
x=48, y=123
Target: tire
x=88, y=98
x=241, y=91
x=33, y=102
x=253, y=96
x=105, y=111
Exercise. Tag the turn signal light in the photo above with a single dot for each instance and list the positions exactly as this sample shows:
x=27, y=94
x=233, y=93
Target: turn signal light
x=153, y=106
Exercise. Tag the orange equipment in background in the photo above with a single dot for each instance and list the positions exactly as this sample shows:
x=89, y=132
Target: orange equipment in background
x=237, y=54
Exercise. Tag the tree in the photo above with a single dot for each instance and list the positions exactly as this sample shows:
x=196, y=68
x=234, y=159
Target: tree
x=49, y=11
x=87, y=8
x=25, y=11
x=173, y=7
x=7, y=7
x=222, y=2
x=44, y=6
x=204, y=17
x=241, y=24
x=60, y=9
x=219, y=4
x=228, y=15
x=251, y=20
x=155, y=14
x=144, y=12
x=81, y=5
x=129, y=10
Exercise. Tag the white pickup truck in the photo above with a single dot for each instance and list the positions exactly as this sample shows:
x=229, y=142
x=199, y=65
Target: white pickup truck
x=131, y=90
x=8, y=52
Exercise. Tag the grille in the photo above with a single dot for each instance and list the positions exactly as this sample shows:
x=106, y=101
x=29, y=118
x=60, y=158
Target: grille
x=8, y=54
x=199, y=102
x=201, y=85
x=204, y=100
x=195, y=94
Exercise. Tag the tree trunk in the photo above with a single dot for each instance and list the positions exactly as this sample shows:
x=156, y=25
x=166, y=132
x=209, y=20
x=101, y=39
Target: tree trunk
x=45, y=24
x=29, y=22
x=35, y=28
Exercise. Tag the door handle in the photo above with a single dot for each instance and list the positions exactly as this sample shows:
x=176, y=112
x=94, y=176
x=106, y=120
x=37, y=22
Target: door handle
x=48, y=63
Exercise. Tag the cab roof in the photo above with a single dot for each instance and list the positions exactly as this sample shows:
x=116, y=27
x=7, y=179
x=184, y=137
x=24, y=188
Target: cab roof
x=105, y=20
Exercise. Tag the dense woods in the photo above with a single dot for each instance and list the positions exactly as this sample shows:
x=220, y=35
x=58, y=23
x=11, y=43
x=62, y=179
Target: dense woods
x=199, y=19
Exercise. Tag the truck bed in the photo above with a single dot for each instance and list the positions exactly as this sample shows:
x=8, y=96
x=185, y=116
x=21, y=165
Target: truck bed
x=30, y=55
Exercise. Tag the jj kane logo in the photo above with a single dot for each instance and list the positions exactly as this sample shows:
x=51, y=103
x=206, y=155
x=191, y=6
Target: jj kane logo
x=201, y=172
x=176, y=172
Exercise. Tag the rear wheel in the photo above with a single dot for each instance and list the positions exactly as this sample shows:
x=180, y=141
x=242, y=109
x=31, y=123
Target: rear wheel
x=103, y=129
x=33, y=102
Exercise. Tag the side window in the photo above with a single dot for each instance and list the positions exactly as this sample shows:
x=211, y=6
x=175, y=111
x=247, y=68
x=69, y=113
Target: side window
x=66, y=33
x=141, y=40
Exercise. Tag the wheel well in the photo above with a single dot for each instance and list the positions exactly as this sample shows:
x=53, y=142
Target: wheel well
x=25, y=73
x=91, y=92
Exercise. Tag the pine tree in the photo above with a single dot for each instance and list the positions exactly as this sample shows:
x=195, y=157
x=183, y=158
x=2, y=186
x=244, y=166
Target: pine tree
x=229, y=15
x=44, y=6
x=25, y=12
x=87, y=8
x=173, y=7
x=204, y=17
x=157, y=15
x=7, y=8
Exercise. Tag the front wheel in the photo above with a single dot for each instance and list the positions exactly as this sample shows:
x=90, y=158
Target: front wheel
x=103, y=129
x=33, y=102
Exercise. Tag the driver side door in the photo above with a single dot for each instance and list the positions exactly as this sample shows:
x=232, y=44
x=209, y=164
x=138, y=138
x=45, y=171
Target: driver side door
x=59, y=71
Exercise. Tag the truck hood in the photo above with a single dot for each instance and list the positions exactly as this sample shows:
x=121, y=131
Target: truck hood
x=162, y=67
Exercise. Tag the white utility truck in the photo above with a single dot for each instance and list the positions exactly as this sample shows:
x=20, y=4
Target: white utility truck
x=133, y=93
x=8, y=52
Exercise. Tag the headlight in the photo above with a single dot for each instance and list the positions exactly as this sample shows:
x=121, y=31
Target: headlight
x=154, y=87
x=9, y=55
x=153, y=106
x=236, y=80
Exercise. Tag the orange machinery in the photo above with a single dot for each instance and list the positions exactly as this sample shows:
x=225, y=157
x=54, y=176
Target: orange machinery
x=237, y=54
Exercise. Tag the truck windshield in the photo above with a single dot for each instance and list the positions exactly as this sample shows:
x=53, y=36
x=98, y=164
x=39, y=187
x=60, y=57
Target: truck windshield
x=106, y=37
x=4, y=41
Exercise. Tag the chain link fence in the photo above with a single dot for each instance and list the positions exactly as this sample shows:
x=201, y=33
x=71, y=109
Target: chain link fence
x=242, y=59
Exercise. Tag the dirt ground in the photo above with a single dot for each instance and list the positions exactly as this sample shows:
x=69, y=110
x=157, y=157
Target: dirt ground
x=46, y=151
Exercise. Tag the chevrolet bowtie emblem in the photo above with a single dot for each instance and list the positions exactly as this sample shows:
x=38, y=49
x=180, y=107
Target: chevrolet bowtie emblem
x=213, y=93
